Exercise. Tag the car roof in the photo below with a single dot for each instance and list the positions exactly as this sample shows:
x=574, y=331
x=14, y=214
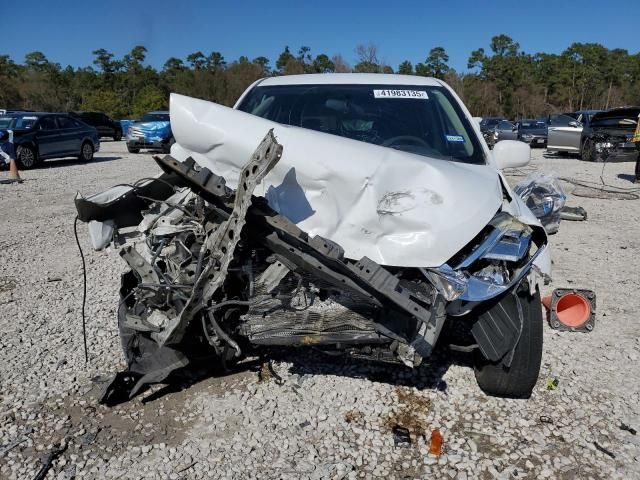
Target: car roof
x=588, y=111
x=350, y=79
x=159, y=112
x=34, y=114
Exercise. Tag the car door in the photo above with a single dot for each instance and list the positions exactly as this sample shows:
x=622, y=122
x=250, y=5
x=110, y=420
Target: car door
x=564, y=133
x=507, y=130
x=106, y=126
x=69, y=136
x=48, y=137
x=96, y=120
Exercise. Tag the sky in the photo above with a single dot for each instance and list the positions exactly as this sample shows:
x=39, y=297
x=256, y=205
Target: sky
x=68, y=31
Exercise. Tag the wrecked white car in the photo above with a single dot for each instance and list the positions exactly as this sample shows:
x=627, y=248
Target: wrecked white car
x=354, y=213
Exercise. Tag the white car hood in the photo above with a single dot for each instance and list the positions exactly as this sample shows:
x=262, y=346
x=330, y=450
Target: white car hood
x=394, y=207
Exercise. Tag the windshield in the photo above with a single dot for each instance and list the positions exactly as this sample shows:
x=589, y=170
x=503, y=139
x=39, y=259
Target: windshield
x=532, y=125
x=491, y=122
x=155, y=117
x=17, y=122
x=417, y=119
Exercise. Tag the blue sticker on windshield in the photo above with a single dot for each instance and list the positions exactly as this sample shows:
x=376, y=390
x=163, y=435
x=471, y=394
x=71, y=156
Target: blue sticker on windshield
x=455, y=138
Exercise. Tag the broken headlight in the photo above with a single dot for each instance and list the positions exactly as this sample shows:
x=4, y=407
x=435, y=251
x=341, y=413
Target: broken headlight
x=449, y=283
x=490, y=265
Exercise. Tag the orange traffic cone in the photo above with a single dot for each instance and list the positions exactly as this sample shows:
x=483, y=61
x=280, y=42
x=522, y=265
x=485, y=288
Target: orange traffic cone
x=14, y=175
x=571, y=309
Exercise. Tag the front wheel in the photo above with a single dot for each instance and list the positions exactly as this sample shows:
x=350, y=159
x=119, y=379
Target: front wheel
x=518, y=379
x=166, y=148
x=117, y=136
x=133, y=149
x=588, y=151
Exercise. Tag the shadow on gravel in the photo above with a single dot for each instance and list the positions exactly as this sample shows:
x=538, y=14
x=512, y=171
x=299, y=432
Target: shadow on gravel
x=426, y=376
x=563, y=156
x=196, y=373
x=627, y=176
x=67, y=162
x=308, y=361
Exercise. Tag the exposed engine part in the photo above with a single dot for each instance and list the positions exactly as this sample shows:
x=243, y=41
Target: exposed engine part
x=217, y=273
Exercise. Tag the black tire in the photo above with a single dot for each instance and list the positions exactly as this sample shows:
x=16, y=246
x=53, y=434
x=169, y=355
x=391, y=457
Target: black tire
x=132, y=149
x=117, y=136
x=86, y=152
x=26, y=157
x=166, y=148
x=588, y=151
x=518, y=380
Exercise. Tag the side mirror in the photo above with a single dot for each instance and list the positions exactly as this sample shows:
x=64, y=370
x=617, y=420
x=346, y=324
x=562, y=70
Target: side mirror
x=511, y=154
x=574, y=124
x=514, y=128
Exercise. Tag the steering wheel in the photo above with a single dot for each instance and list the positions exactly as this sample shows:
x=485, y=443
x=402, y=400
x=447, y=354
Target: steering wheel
x=404, y=138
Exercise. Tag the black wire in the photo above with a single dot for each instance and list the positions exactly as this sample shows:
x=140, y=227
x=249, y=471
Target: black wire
x=84, y=290
x=135, y=184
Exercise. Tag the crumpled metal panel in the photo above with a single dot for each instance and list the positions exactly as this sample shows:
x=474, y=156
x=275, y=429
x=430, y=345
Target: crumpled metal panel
x=221, y=242
x=394, y=207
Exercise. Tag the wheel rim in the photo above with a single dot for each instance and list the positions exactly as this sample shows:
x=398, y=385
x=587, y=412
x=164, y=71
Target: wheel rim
x=87, y=151
x=26, y=156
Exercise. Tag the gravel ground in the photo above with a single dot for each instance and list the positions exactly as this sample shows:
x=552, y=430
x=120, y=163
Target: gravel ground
x=326, y=418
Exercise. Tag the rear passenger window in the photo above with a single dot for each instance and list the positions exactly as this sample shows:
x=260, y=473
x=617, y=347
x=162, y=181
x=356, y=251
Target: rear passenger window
x=65, y=122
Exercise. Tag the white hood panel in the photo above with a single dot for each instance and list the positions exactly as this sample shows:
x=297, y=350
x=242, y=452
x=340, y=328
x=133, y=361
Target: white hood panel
x=394, y=207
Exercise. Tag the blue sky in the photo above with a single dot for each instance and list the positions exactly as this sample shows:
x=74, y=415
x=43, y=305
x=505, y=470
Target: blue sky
x=67, y=32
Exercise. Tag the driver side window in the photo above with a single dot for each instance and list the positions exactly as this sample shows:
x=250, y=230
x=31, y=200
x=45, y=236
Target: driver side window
x=561, y=120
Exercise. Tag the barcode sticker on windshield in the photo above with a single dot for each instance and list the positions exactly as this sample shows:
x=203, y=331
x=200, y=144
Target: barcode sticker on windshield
x=415, y=94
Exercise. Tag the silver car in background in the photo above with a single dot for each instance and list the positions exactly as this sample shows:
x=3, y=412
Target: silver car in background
x=567, y=131
x=505, y=130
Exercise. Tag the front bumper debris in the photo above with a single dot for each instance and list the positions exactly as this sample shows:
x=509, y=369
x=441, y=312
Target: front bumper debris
x=142, y=143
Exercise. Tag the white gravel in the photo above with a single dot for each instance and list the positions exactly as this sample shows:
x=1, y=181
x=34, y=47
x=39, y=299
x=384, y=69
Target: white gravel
x=330, y=418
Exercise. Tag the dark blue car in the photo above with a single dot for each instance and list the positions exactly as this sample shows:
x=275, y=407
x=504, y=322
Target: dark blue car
x=40, y=136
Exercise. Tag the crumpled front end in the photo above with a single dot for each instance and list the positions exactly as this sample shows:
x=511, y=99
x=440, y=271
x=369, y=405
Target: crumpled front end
x=217, y=273
x=395, y=207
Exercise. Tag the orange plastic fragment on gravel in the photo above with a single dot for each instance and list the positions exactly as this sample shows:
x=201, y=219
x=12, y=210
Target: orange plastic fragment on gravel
x=436, y=443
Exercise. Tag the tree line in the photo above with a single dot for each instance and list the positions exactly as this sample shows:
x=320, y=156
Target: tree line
x=501, y=80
